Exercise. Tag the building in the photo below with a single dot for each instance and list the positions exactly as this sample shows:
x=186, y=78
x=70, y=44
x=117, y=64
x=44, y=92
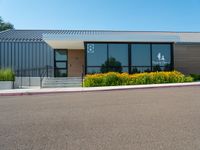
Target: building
x=69, y=53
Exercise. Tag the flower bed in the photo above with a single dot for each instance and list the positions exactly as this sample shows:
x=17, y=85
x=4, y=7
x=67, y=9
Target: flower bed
x=115, y=79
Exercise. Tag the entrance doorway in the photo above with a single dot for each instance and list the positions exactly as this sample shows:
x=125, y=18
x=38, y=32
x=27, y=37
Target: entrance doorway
x=60, y=63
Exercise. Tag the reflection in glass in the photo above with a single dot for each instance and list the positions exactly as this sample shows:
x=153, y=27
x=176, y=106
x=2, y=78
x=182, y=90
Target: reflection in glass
x=167, y=67
x=111, y=65
x=140, y=69
x=161, y=54
x=61, y=65
x=119, y=52
x=140, y=55
x=125, y=69
x=117, y=69
x=60, y=72
x=61, y=55
x=93, y=70
x=107, y=57
x=96, y=54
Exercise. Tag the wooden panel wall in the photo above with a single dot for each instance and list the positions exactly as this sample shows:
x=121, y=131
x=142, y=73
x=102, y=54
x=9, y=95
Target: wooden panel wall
x=187, y=58
x=75, y=63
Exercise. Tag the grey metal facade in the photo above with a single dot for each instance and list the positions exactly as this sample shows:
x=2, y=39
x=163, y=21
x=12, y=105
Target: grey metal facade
x=28, y=49
x=26, y=55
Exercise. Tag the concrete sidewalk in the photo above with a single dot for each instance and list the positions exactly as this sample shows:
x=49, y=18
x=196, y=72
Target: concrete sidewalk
x=37, y=90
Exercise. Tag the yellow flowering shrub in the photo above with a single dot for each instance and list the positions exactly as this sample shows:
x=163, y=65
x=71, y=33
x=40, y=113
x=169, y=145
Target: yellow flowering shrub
x=114, y=79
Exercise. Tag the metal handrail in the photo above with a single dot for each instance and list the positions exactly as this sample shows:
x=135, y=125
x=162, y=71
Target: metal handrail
x=39, y=72
x=44, y=73
x=82, y=74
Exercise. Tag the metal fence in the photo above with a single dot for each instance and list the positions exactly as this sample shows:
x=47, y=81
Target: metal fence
x=29, y=77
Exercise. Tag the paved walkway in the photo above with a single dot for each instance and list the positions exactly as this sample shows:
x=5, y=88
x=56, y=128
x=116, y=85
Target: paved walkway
x=37, y=90
x=142, y=119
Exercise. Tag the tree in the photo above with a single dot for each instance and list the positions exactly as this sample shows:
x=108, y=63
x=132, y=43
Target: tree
x=5, y=25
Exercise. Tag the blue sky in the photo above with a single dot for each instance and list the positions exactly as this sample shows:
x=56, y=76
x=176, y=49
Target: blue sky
x=145, y=15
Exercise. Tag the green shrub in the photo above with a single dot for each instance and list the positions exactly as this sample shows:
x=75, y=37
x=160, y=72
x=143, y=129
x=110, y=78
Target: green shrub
x=196, y=77
x=189, y=79
x=6, y=75
x=113, y=78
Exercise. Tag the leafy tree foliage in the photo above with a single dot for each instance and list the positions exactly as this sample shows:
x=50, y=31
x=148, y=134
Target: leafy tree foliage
x=5, y=25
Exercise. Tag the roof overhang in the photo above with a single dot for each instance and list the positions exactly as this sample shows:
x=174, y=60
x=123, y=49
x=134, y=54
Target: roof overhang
x=65, y=44
x=67, y=41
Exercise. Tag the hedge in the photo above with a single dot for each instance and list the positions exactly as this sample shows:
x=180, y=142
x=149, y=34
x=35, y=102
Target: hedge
x=196, y=77
x=114, y=79
x=7, y=75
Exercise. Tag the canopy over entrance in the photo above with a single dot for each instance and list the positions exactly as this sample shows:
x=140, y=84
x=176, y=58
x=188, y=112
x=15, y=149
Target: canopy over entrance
x=76, y=39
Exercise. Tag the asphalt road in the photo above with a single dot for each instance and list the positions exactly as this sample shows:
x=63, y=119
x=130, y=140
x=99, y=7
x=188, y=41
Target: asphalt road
x=150, y=119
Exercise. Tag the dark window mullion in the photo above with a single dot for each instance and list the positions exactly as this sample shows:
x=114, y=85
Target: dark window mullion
x=172, y=56
x=107, y=67
x=129, y=58
x=151, y=55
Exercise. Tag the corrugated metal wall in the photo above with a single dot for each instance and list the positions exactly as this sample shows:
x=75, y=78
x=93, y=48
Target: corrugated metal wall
x=26, y=55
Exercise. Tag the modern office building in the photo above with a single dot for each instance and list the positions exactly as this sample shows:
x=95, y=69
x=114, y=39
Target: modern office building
x=73, y=52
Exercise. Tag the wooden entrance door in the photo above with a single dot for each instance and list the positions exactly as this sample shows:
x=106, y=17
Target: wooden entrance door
x=75, y=63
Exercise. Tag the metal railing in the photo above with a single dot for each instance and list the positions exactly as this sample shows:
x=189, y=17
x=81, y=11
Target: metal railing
x=42, y=72
x=45, y=73
x=82, y=75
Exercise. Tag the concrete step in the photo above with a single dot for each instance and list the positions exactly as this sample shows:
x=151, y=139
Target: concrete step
x=46, y=83
x=68, y=78
x=77, y=80
x=64, y=85
x=62, y=82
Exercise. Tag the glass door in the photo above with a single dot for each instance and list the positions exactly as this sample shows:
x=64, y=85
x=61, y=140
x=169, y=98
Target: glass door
x=60, y=63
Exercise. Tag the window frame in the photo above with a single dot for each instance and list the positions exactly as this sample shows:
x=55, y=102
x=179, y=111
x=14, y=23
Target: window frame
x=60, y=61
x=130, y=53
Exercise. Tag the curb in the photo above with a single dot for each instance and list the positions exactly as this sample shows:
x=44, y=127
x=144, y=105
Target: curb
x=101, y=89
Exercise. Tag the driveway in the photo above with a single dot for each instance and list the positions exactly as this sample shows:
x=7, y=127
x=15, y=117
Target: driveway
x=145, y=119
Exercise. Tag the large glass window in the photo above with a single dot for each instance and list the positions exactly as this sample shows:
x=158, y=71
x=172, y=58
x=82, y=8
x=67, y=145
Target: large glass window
x=96, y=54
x=145, y=57
x=141, y=55
x=140, y=69
x=119, y=53
x=161, y=57
x=61, y=55
x=107, y=57
x=92, y=70
x=140, y=58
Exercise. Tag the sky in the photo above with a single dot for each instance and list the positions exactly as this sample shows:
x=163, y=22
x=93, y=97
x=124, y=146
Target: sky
x=134, y=15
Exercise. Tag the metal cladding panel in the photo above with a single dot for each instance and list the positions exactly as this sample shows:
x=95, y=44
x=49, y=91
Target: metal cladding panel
x=6, y=56
x=97, y=35
x=1, y=57
x=12, y=56
x=25, y=56
x=20, y=56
